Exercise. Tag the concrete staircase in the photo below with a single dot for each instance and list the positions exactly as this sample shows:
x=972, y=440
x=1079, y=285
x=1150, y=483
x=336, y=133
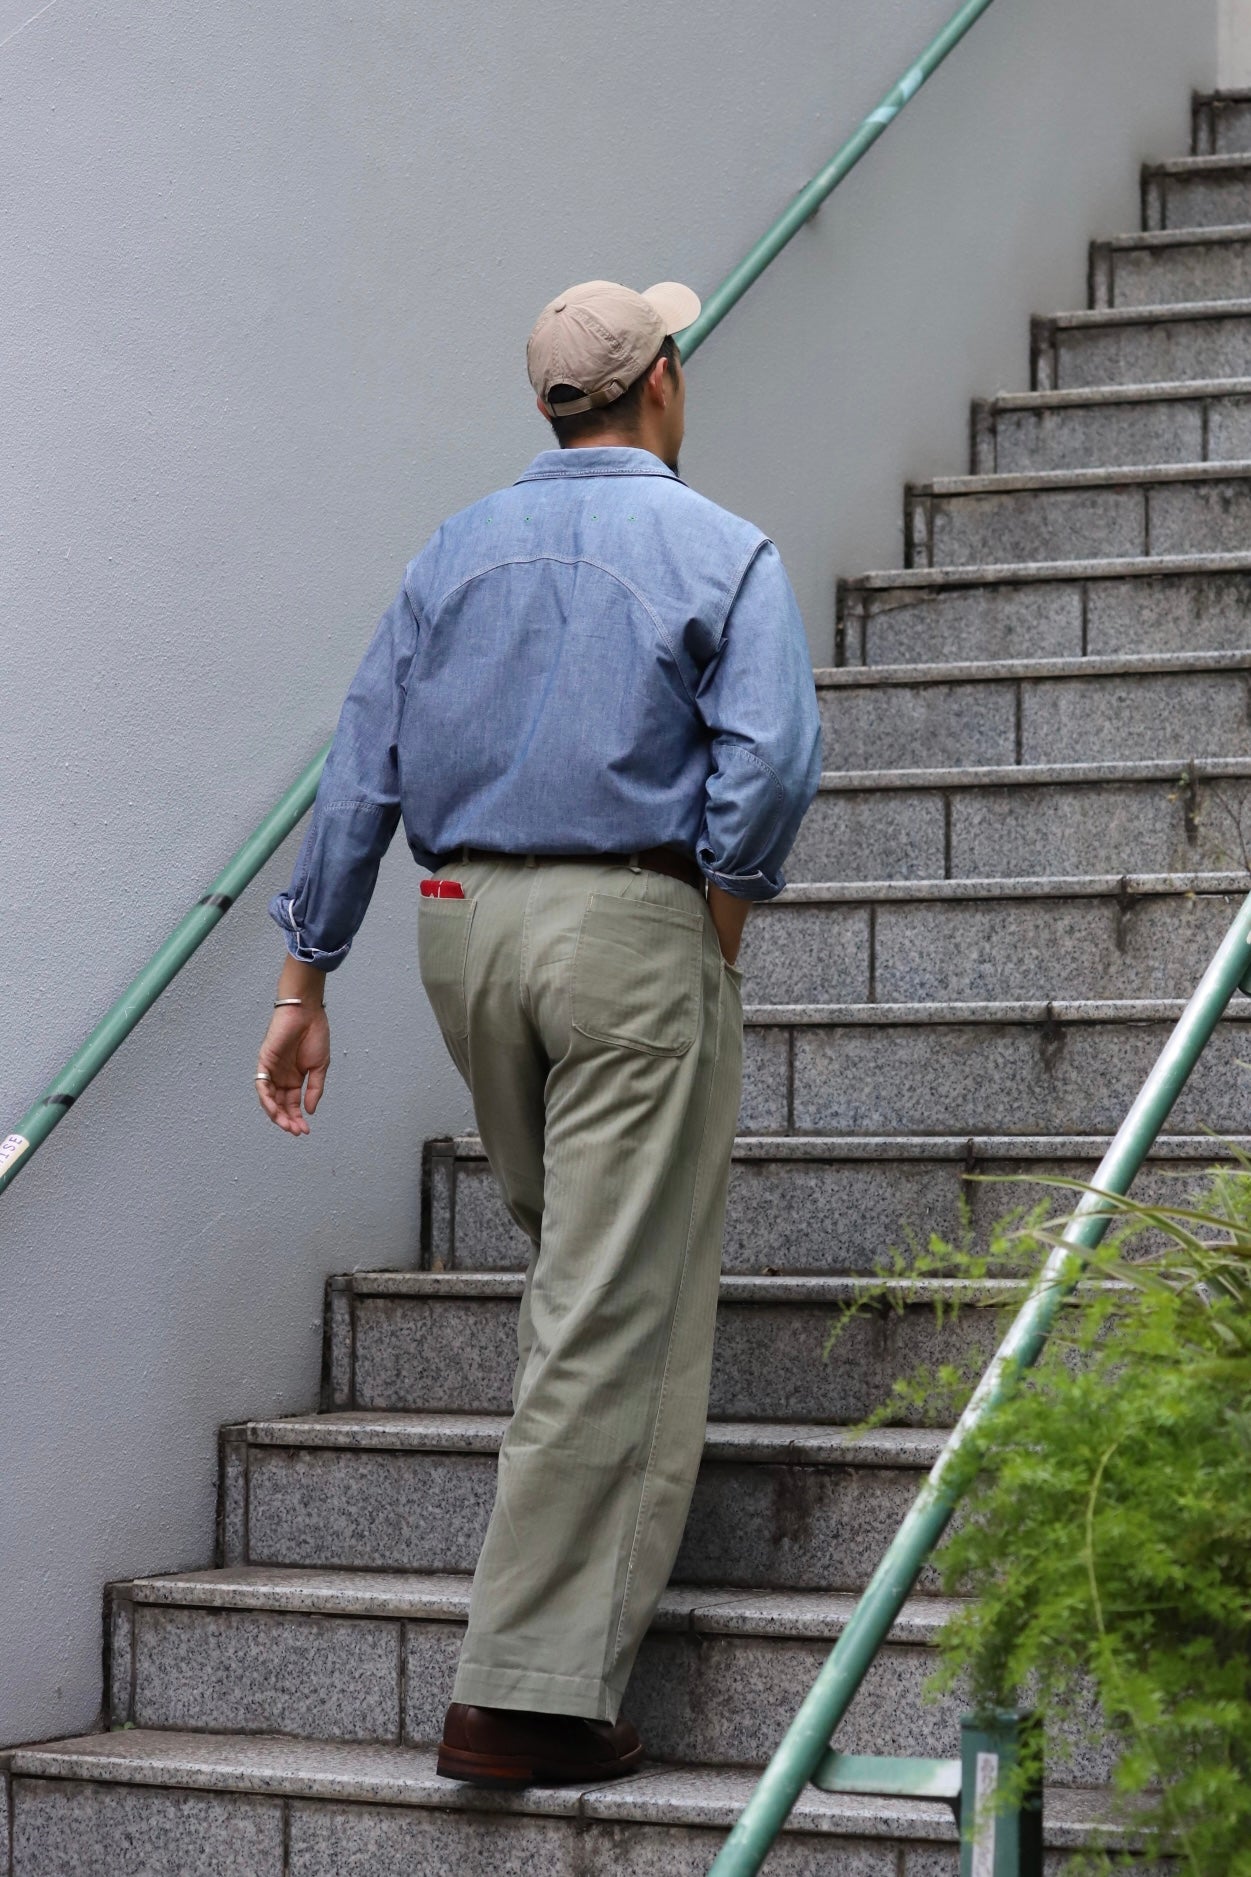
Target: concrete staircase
x=1019, y=860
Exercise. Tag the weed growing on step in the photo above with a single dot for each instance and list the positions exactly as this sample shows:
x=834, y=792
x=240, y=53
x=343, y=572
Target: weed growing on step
x=1105, y=1532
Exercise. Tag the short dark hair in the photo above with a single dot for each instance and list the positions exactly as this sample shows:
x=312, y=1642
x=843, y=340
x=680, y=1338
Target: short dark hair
x=621, y=414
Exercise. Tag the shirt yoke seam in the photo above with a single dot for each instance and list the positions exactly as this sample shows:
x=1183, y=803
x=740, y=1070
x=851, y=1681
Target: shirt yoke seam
x=580, y=560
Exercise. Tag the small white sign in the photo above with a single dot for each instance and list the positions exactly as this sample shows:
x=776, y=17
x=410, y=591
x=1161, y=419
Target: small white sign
x=985, y=1818
x=12, y=1147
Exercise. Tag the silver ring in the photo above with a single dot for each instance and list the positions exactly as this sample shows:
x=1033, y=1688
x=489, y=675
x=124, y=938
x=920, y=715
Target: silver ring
x=264, y=1076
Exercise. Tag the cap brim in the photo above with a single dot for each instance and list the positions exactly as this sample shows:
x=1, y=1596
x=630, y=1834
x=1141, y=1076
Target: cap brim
x=676, y=304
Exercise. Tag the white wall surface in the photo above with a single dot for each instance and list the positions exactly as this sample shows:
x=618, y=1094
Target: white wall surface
x=1234, y=44
x=268, y=276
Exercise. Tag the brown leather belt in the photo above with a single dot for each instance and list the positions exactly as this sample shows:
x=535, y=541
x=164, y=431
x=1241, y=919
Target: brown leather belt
x=666, y=860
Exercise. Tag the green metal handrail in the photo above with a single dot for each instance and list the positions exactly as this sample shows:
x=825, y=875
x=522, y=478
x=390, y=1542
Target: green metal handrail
x=18, y=1149
x=810, y=198
x=140, y=995
x=806, y=1745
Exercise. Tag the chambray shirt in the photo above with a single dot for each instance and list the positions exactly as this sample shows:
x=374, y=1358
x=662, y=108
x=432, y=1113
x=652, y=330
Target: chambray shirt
x=595, y=660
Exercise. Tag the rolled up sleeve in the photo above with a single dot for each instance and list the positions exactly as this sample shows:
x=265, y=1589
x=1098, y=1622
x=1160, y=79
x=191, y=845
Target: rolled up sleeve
x=758, y=700
x=357, y=808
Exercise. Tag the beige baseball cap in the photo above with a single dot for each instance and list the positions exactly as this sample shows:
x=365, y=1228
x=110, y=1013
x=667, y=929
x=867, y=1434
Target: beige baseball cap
x=600, y=336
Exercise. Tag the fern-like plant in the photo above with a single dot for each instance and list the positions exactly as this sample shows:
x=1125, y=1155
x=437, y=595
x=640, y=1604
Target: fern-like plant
x=1105, y=1532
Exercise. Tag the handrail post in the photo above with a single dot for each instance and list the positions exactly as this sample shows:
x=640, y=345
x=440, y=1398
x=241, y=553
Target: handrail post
x=808, y=1737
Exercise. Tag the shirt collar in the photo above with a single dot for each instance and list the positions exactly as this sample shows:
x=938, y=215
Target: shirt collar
x=604, y=460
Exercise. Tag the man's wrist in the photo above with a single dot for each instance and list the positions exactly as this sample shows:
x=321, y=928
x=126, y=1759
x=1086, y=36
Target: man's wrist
x=305, y=981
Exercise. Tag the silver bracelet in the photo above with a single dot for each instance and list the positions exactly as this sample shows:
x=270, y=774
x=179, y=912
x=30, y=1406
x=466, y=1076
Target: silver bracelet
x=280, y=1001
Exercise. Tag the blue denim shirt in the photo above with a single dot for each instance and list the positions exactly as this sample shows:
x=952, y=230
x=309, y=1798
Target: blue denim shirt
x=594, y=660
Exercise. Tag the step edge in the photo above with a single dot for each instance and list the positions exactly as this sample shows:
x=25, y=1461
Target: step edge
x=696, y=1797
x=1020, y=670
x=1037, y=573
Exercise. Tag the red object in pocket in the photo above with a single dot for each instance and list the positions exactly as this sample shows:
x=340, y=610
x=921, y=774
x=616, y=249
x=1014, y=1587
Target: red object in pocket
x=442, y=889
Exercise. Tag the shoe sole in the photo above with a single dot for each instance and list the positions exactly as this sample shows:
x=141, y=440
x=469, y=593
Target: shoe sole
x=512, y=1770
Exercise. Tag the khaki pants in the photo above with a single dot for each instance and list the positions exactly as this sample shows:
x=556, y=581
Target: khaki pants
x=589, y=1009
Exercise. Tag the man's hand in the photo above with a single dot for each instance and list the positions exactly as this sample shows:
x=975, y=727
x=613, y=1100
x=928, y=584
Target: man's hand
x=296, y=1045
x=729, y=916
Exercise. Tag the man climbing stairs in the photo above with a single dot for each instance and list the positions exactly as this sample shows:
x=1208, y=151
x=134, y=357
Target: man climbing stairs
x=1029, y=837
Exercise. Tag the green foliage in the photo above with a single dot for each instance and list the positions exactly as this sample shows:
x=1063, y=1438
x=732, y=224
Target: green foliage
x=1105, y=1532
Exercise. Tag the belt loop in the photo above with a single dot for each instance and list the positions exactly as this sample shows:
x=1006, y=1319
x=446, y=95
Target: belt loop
x=532, y=860
x=633, y=863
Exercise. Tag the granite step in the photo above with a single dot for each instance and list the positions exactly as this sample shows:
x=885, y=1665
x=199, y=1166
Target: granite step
x=945, y=941
x=1079, y=514
x=1050, y=609
x=1027, y=821
x=266, y=1807
x=803, y=1205
x=1141, y=346
x=779, y=1506
x=1020, y=1068
x=1196, y=192
x=1220, y=123
x=446, y=1342
x=370, y=1657
x=1112, y=427
x=1036, y=710
x=1174, y=267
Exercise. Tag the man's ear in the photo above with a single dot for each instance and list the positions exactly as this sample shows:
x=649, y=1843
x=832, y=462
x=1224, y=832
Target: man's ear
x=658, y=390
x=542, y=409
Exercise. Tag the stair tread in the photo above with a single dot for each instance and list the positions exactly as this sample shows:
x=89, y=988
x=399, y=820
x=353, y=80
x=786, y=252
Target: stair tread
x=1017, y=573
x=1216, y=236
x=800, y=1443
x=936, y=1146
x=992, y=670
x=1078, y=1010
x=1132, y=475
x=711, y=1797
x=1224, y=164
x=765, y=1289
x=443, y=1597
x=1027, y=775
x=1049, y=886
x=1092, y=318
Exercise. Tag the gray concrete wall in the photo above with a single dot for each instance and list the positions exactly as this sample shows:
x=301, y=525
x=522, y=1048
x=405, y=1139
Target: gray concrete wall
x=268, y=275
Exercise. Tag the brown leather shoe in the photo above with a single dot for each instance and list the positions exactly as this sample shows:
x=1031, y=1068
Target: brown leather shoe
x=513, y=1747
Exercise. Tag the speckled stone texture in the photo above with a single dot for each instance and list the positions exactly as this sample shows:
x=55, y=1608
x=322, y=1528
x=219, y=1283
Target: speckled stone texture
x=327, y=1678
x=1165, y=351
x=793, y=1527
x=1201, y=517
x=1095, y=436
x=1150, y=275
x=339, y=1841
x=1114, y=719
x=1125, y=613
x=1223, y=126
x=1106, y=717
x=751, y=1524
x=917, y=626
x=1036, y=525
x=825, y=1214
x=368, y=1509
x=768, y=1364
x=891, y=834
x=987, y=950
x=1034, y=1078
x=1198, y=198
x=923, y=726
x=1169, y=613
x=232, y=1501
x=68, y=1828
x=1017, y=831
x=765, y=1107
x=792, y=953
x=1139, y=827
